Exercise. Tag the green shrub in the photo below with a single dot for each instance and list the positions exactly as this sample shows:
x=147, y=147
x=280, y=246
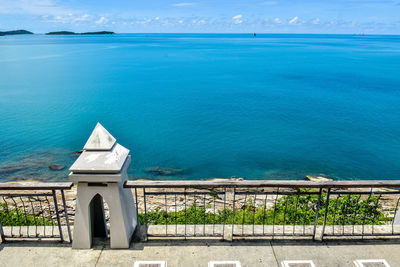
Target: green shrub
x=290, y=209
x=18, y=217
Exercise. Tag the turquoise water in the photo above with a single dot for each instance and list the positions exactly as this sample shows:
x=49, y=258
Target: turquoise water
x=270, y=107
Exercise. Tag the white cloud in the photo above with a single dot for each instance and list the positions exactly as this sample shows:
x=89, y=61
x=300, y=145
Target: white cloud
x=278, y=21
x=85, y=17
x=102, y=20
x=68, y=18
x=237, y=19
x=316, y=21
x=294, y=20
x=183, y=4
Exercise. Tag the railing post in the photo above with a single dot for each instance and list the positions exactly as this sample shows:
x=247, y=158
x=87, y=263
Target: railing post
x=58, y=215
x=326, y=213
x=233, y=211
x=145, y=213
x=3, y=238
x=66, y=216
x=317, y=213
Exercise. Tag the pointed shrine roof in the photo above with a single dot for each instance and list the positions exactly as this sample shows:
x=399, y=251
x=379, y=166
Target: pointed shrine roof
x=100, y=139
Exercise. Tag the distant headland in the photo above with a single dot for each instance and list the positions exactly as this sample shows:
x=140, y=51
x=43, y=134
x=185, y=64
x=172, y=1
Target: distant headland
x=74, y=33
x=15, y=32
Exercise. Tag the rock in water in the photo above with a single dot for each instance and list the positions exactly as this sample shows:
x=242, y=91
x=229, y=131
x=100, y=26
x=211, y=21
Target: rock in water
x=164, y=171
x=318, y=178
x=56, y=167
x=76, y=153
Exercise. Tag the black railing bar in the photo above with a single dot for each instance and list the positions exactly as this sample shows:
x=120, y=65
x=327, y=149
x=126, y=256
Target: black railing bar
x=280, y=193
x=244, y=212
x=296, y=214
x=394, y=215
x=145, y=210
x=181, y=193
x=214, y=217
x=326, y=213
x=223, y=227
x=233, y=210
x=204, y=217
x=8, y=212
x=195, y=214
x=355, y=213
x=166, y=214
x=365, y=215
x=67, y=216
x=334, y=214
x=17, y=210
x=284, y=215
x=376, y=206
x=51, y=217
x=265, y=207
x=136, y=203
x=316, y=214
x=344, y=214
x=185, y=210
x=176, y=217
x=27, y=195
x=273, y=220
x=364, y=193
x=36, y=186
x=254, y=210
x=34, y=217
x=238, y=193
x=263, y=183
x=2, y=236
x=25, y=213
x=309, y=210
x=58, y=215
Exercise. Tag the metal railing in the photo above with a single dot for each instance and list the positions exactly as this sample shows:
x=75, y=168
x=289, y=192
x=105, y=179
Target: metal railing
x=265, y=208
x=34, y=211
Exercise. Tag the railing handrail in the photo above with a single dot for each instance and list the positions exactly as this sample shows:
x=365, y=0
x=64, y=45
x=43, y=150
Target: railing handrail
x=36, y=186
x=260, y=183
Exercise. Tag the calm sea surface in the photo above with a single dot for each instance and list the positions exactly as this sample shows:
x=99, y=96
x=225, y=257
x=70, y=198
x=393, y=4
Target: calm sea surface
x=270, y=107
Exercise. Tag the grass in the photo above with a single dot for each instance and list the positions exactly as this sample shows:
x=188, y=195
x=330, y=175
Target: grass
x=291, y=209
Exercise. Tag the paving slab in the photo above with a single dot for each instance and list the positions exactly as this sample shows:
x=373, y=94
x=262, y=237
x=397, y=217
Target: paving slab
x=199, y=253
x=39, y=254
x=184, y=253
x=331, y=254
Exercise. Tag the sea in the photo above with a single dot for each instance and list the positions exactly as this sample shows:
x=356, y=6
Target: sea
x=270, y=106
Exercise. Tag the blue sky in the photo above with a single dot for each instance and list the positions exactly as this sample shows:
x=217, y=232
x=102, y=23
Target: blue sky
x=269, y=16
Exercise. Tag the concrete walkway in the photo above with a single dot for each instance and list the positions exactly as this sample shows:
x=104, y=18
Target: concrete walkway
x=199, y=253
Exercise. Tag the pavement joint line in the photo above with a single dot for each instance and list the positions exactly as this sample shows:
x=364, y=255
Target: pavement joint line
x=273, y=251
x=98, y=258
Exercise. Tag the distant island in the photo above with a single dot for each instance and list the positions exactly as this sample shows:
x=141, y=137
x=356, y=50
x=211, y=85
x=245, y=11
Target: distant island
x=15, y=32
x=74, y=33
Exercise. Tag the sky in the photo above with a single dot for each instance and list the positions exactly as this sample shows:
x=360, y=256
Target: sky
x=203, y=16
